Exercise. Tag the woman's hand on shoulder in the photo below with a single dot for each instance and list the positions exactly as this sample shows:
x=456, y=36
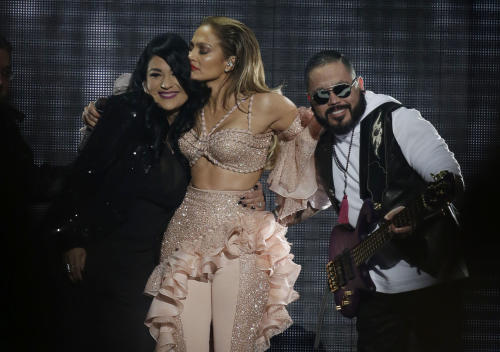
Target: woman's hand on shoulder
x=307, y=119
x=277, y=110
x=90, y=115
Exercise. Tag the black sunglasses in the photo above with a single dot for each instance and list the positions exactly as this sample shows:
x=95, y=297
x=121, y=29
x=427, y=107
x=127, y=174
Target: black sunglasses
x=341, y=90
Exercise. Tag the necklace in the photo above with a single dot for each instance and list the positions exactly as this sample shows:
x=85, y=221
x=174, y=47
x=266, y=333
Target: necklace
x=226, y=115
x=344, y=205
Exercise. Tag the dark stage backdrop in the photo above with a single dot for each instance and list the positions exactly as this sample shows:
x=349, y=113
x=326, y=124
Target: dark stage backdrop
x=440, y=57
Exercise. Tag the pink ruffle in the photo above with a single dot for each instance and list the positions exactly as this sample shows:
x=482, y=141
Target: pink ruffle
x=257, y=233
x=293, y=177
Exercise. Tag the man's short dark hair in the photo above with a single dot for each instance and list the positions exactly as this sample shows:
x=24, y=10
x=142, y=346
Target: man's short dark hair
x=325, y=57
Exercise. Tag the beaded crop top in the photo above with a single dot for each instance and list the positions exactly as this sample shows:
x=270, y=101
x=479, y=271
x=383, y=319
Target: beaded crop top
x=233, y=149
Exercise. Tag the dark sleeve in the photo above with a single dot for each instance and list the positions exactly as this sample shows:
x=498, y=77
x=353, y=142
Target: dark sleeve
x=17, y=158
x=74, y=215
x=100, y=105
x=86, y=132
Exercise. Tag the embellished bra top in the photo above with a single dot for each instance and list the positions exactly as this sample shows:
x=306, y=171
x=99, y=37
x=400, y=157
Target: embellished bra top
x=234, y=149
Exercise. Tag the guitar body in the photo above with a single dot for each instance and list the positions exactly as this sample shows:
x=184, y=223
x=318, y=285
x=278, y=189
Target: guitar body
x=351, y=249
x=352, y=278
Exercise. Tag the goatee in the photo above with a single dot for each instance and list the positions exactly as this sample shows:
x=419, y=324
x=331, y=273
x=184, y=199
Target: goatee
x=356, y=114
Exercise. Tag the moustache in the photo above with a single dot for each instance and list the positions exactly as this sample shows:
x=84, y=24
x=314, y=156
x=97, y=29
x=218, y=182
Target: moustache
x=337, y=107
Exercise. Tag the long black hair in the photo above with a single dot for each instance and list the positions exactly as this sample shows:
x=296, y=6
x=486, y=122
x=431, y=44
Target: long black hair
x=174, y=50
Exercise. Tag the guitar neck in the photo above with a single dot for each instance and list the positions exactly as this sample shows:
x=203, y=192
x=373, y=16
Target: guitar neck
x=380, y=237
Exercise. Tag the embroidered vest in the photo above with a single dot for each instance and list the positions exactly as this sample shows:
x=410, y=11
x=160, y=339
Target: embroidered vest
x=324, y=151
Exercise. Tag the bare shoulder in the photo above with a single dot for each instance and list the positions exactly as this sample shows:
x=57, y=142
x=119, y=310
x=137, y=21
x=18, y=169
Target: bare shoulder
x=274, y=108
x=273, y=102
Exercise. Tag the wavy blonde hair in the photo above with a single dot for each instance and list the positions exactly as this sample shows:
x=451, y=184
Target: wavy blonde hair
x=247, y=76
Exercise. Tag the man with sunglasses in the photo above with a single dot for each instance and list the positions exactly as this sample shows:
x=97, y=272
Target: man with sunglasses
x=371, y=147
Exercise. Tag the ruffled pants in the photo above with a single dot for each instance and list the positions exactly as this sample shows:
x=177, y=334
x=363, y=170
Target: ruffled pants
x=225, y=265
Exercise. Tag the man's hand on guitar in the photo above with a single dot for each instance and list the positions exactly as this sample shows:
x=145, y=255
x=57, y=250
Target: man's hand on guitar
x=402, y=230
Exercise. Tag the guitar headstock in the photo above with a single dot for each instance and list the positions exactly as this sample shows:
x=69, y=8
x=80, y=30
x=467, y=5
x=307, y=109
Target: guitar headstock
x=439, y=192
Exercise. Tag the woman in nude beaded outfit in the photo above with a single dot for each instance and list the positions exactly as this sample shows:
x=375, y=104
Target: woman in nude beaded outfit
x=224, y=267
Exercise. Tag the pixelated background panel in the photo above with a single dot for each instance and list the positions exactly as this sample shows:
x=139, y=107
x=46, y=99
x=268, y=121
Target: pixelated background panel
x=440, y=57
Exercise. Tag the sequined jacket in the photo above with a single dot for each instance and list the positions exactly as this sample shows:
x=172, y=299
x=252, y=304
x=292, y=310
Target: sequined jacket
x=117, y=158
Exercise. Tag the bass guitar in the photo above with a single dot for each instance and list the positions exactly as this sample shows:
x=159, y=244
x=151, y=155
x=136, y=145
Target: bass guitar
x=350, y=249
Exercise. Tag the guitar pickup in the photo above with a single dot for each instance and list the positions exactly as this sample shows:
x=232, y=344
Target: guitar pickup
x=347, y=266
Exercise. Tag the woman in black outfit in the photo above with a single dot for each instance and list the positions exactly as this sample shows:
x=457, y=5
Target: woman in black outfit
x=124, y=188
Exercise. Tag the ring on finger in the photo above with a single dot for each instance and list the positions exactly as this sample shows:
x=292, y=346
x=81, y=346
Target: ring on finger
x=68, y=267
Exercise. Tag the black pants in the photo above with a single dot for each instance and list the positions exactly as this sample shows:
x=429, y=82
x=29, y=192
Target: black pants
x=106, y=311
x=428, y=319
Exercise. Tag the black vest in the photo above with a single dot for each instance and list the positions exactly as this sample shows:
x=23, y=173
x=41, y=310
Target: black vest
x=373, y=181
x=388, y=180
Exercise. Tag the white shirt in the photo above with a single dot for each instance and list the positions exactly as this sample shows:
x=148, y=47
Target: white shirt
x=424, y=150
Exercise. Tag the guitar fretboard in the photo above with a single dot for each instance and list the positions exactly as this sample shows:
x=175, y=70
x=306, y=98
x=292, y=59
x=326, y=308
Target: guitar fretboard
x=407, y=217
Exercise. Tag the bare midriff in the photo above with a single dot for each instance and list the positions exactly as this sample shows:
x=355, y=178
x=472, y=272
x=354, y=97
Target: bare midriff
x=206, y=175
